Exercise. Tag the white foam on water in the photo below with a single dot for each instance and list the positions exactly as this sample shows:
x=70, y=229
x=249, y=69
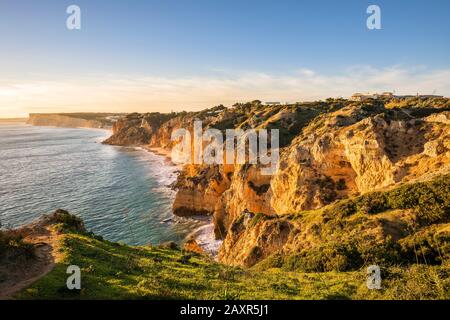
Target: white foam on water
x=206, y=239
x=166, y=173
x=161, y=168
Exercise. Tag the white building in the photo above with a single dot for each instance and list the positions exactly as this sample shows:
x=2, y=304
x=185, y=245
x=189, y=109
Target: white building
x=362, y=96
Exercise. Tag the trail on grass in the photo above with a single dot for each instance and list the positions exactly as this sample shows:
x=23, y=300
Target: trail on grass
x=18, y=274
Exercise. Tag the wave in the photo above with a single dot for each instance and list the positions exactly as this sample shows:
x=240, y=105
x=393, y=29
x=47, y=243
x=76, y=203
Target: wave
x=165, y=173
x=161, y=168
x=206, y=239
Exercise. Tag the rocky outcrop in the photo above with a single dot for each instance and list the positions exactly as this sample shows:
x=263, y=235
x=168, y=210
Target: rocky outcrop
x=328, y=162
x=129, y=132
x=248, y=190
x=199, y=188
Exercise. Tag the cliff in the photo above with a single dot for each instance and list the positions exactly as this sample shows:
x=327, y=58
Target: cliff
x=330, y=151
x=73, y=120
x=406, y=225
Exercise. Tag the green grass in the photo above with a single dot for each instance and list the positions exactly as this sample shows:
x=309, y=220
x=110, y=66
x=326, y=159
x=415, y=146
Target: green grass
x=115, y=271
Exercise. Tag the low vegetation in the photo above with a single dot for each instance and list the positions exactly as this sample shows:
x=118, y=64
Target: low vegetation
x=406, y=227
x=114, y=271
x=430, y=200
x=12, y=246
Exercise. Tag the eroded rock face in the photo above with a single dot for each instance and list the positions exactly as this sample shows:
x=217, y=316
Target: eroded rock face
x=199, y=188
x=329, y=162
x=249, y=190
x=330, y=151
x=366, y=155
x=129, y=132
x=250, y=239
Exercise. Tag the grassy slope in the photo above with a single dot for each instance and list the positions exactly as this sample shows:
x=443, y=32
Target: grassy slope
x=115, y=271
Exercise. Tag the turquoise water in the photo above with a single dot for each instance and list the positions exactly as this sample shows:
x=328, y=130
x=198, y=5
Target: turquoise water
x=121, y=193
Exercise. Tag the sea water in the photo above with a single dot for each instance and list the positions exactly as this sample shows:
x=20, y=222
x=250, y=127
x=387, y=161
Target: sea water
x=121, y=193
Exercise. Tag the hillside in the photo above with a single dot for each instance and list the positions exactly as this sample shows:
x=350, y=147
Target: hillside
x=116, y=271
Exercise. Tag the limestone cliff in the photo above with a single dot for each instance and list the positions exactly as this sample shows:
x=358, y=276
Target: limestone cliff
x=330, y=150
x=403, y=225
x=353, y=151
x=68, y=120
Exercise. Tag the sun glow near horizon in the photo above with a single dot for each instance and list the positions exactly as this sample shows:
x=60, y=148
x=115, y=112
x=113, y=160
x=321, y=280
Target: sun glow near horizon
x=118, y=93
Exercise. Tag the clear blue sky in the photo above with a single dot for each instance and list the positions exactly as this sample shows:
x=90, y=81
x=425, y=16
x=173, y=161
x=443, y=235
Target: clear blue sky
x=202, y=38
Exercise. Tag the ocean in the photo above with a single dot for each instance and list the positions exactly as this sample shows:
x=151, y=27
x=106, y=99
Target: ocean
x=121, y=193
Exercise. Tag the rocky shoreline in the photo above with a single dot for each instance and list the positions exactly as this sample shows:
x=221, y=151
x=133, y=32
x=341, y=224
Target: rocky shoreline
x=331, y=151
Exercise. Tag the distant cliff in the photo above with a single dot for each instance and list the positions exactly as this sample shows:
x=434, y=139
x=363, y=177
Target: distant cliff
x=73, y=120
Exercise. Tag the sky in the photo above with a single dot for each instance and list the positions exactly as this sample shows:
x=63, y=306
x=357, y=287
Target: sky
x=188, y=55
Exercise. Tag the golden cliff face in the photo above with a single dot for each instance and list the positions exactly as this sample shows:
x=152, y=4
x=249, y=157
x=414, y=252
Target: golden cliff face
x=335, y=160
x=328, y=162
x=199, y=188
x=248, y=191
x=330, y=150
x=334, y=233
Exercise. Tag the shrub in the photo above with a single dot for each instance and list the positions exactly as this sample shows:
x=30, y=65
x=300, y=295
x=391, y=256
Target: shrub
x=326, y=257
x=429, y=246
x=67, y=222
x=343, y=208
x=372, y=203
x=430, y=200
x=341, y=185
x=13, y=245
x=273, y=261
x=385, y=253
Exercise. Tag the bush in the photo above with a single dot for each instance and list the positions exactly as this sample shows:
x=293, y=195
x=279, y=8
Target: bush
x=67, y=222
x=430, y=200
x=372, y=203
x=327, y=257
x=429, y=246
x=12, y=245
x=343, y=208
x=386, y=253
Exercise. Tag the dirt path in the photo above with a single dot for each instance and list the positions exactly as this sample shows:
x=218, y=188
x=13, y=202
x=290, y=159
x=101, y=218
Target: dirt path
x=17, y=275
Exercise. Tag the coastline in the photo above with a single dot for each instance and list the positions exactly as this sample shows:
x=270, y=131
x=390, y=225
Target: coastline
x=144, y=177
x=13, y=120
x=160, y=152
x=204, y=234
